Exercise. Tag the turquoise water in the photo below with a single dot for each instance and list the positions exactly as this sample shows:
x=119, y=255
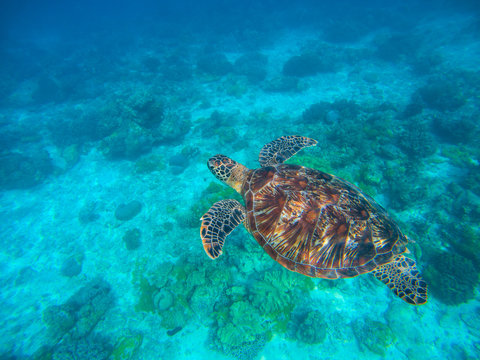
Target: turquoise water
x=109, y=113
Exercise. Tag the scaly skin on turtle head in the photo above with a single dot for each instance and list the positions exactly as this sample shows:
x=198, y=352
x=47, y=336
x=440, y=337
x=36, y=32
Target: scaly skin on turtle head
x=228, y=171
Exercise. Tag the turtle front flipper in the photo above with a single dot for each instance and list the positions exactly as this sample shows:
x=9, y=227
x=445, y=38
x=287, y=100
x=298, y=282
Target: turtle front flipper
x=218, y=222
x=404, y=279
x=282, y=149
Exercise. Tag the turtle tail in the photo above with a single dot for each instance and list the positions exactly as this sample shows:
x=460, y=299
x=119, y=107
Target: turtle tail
x=403, y=278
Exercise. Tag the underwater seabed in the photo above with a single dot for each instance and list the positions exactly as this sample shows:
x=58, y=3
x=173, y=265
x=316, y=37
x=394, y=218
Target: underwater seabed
x=355, y=316
x=100, y=253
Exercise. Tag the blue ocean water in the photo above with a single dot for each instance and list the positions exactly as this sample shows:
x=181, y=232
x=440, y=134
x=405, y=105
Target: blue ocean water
x=109, y=111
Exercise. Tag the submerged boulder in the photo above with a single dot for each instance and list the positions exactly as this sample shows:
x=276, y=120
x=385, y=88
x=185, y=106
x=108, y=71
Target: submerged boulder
x=72, y=266
x=178, y=163
x=307, y=64
x=128, y=211
x=253, y=66
x=215, y=64
x=132, y=239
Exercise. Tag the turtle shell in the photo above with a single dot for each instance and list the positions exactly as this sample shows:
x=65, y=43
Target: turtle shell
x=317, y=224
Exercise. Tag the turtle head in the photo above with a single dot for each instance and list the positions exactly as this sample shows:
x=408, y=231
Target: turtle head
x=227, y=170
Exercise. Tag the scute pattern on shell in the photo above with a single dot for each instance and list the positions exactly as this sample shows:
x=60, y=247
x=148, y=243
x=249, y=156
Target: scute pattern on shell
x=317, y=224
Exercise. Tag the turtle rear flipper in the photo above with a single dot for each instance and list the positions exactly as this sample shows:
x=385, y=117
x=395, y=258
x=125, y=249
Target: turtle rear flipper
x=282, y=149
x=404, y=279
x=218, y=222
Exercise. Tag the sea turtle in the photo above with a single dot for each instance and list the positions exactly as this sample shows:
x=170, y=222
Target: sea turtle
x=310, y=222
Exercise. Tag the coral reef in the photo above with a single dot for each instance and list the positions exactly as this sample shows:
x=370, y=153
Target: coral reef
x=425, y=62
x=127, y=347
x=162, y=300
x=402, y=184
x=249, y=315
x=79, y=125
x=416, y=140
x=331, y=113
x=129, y=107
x=18, y=171
x=460, y=156
x=145, y=120
x=389, y=151
x=344, y=31
x=471, y=180
x=442, y=94
x=129, y=142
x=456, y=129
x=414, y=107
x=93, y=347
x=452, y=278
x=215, y=64
x=243, y=317
x=247, y=350
x=145, y=109
x=146, y=292
x=178, y=293
x=149, y=164
x=314, y=162
x=307, y=64
x=176, y=316
x=220, y=124
x=90, y=304
x=253, y=66
x=282, y=84
x=59, y=320
x=177, y=67
x=275, y=293
x=16, y=134
x=70, y=326
x=368, y=179
x=240, y=330
x=48, y=90
x=243, y=325
x=373, y=335
x=172, y=129
x=398, y=47
x=201, y=300
x=236, y=86
x=308, y=327
x=316, y=113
